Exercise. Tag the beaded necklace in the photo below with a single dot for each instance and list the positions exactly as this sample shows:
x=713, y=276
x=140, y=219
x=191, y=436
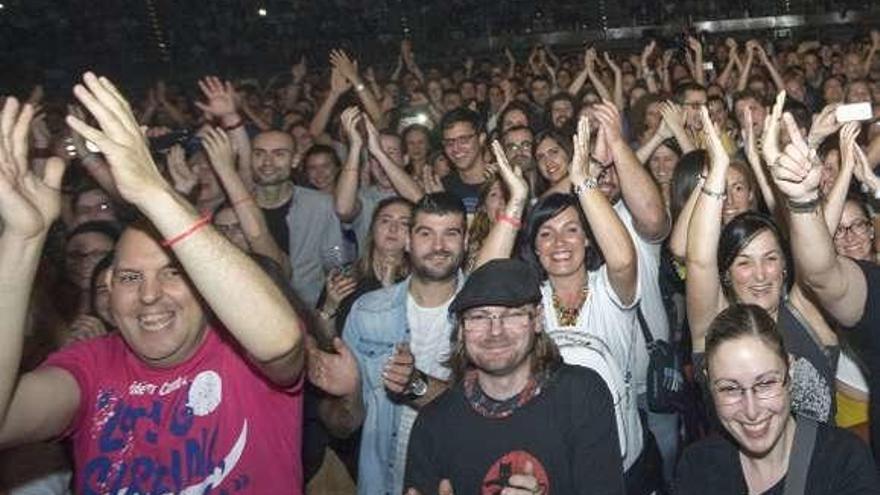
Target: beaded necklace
x=568, y=317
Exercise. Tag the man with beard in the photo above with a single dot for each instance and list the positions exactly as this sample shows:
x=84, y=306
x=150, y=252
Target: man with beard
x=397, y=339
x=516, y=419
x=518, y=143
x=302, y=221
x=560, y=111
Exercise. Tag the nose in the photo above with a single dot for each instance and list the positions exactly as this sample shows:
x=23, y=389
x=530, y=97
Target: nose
x=761, y=271
x=150, y=290
x=495, y=325
x=750, y=405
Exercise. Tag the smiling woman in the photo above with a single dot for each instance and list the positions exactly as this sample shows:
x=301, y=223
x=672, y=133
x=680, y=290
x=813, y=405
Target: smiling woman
x=749, y=374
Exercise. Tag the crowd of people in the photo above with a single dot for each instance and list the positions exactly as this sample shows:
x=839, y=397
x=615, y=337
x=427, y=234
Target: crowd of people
x=583, y=273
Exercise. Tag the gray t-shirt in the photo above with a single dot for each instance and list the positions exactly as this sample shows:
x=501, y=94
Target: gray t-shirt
x=314, y=229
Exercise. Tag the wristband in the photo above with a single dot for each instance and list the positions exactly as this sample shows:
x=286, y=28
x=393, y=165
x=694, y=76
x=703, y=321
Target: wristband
x=808, y=206
x=327, y=316
x=712, y=194
x=201, y=222
x=512, y=221
x=588, y=184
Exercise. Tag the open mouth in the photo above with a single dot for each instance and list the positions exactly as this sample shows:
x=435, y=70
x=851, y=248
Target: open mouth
x=155, y=322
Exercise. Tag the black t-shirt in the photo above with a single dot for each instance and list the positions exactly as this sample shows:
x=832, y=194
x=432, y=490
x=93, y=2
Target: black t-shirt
x=567, y=433
x=469, y=194
x=840, y=465
x=866, y=337
x=276, y=221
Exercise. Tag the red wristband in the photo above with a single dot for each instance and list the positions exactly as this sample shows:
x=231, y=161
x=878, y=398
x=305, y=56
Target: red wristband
x=512, y=221
x=201, y=222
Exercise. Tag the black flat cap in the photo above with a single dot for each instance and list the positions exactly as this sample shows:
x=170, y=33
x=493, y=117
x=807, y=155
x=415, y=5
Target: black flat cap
x=500, y=282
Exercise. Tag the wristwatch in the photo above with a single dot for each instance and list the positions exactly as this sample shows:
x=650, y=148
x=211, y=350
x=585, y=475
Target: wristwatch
x=417, y=386
x=587, y=184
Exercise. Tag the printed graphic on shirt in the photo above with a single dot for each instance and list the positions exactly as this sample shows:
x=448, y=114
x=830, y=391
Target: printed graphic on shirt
x=498, y=477
x=810, y=392
x=162, y=438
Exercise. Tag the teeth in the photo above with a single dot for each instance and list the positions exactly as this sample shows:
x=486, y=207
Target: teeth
x=155, y=321
x=560, y=256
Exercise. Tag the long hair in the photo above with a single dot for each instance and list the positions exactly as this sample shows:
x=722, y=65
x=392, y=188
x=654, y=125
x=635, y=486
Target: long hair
x=736, y=235
x=545, y=209
x=363, y=267
x=544, y=353
x=482, y=224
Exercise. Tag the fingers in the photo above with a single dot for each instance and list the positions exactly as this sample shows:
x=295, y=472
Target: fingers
x=794, y=133
x=500, y=157
x=54, y=172
x=7, y=123
x=19, y=137
x=445, y=488
x=113, y=104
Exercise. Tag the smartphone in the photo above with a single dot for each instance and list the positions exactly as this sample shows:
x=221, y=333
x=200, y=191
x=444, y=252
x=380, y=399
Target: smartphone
x=854, y=112
x=709, y=66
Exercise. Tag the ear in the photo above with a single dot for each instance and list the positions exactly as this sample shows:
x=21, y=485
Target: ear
x=482, y=140
x=108, y=278
x=406, y=245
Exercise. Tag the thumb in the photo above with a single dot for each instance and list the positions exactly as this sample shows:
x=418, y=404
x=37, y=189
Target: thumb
x=529, y=468
x=54, y=172
x=339, y=345
x=445, y=488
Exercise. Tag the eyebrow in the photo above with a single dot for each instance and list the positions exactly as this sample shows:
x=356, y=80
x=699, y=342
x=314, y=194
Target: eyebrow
x=757, y=379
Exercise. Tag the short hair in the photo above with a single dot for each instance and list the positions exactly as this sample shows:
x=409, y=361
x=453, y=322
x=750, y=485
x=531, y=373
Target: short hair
x=747, y=94
x=106, y=228
x=317, y=149
x=744, y=320
x=545, y=209
x=461, y=114
x=682, y=89
x=517, y=128
x=439, y=203
x=517, y=105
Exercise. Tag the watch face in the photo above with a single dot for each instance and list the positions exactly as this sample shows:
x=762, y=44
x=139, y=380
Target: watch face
x=418, y=387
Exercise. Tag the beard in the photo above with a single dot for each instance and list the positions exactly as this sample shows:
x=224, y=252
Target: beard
x=426, y=271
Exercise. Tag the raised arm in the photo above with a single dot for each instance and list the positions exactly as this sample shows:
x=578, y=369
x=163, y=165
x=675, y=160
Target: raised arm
x=221, y=104
x=242, y=296
x=750, y=144
x=645, y=68
x=837, y=282
x=704, y=297
x=747, y=67
x=869, y=58
x=610, y=233
x=732, y=62
x=663, y=132
x=38, y=405
x=349, y=69
x=345, y=198
x=698, y=72
x=638, y=189
x=771, y=68
x=618, y=80
x=402, y=182
x=219, y=150
x=673, y=116
x=832, y=206
x=339, y=85
x=502, y=237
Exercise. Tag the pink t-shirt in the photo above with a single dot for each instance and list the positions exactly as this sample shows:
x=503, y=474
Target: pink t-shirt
x=211, y=424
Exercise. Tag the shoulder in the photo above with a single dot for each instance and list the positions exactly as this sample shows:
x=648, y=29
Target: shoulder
x=99, y=352
x=381, y=299
x=311, y=197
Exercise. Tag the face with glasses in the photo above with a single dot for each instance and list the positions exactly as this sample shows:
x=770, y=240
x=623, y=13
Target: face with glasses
x=749, y=384
x=461, y=142
x=499, y=339
x=855, y=233
x=518, y=148
x=82, y=253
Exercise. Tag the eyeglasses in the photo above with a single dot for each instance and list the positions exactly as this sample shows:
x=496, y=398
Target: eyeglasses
x=729, y=394
x=859, y=227
x=481, y=322
x=517, y=147
x=458, y=141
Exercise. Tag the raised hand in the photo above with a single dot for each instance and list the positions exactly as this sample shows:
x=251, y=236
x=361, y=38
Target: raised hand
x=590, y=59
x=346, y=66
x=749, y=142
x=28, y=203
x=694, y=44
x=219, y=150
x=824, y=124
x=399, y=369
x=580, y=169
x=182, y=176
x=336, y=373
x=611, y=64
x=731, y=44
x=646, y=53
x=717, y=154
x=375, y=144
x=609, y=119
x=512, y=176
x=865, y=173
x=339, y=84
x=339, y=286
x=351, y=117
x=220, y=98
x=796, y=171
x=430, y=182
x=673, y=115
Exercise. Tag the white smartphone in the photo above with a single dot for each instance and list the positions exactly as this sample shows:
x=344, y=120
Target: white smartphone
x=854, y=112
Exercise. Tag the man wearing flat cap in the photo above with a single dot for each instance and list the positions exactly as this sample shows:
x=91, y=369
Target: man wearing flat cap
x=515, y=416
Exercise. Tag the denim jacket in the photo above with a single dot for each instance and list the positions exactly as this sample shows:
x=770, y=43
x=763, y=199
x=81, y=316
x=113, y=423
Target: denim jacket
x=377, y=322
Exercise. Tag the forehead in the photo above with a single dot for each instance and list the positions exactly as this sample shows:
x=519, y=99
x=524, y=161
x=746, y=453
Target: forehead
x=274, y=140
x=438, y=221
x=458, y=128
x=518, y=135
x=137, y=250
x=763, y=242
x=548, y=142
x=88, y=239
x=320, y=158
x=567, y=215
x=497, y=309
x=562, y=104
x=396, y=210
x=695, y=95
x=743, y=359
x=391, y=140
x=852, y=211
x=92, y=196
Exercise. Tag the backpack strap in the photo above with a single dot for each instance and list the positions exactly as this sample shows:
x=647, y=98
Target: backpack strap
x=646, y=332
x=800, y=456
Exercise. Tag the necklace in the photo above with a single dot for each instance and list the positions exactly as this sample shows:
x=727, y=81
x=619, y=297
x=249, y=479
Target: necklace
x=568, y=316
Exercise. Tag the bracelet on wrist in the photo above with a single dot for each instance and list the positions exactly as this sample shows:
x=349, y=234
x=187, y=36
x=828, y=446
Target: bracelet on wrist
x=588, y=184
x=808, y=206
x=512, y=221
x=714, y=194
x=201, y=222
x=327, y=315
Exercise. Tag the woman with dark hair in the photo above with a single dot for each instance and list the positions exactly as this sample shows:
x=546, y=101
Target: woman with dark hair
x=748, y=261
x=586, y=259
x=752, y=383
x=494, y=195
x=553, y=152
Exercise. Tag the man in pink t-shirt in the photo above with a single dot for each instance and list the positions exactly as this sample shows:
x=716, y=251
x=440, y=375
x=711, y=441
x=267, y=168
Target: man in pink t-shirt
x=200, y=390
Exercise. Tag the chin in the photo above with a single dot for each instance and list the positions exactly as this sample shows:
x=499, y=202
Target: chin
x=759, y=442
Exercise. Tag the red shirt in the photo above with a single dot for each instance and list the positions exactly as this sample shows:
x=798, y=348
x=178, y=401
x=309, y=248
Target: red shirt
x=213, y=423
